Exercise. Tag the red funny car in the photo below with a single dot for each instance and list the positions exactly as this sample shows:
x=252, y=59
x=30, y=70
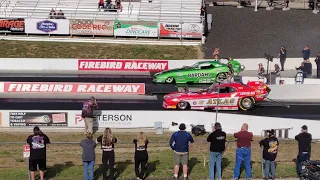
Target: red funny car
x=232, y=96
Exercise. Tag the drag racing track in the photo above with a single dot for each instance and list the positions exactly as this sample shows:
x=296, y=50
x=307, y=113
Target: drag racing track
x=243, y=33
x=265, y=109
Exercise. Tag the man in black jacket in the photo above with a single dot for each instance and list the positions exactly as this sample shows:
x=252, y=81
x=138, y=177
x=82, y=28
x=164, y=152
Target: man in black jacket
x=217, y=141
x=304, y=139
x=270, y=150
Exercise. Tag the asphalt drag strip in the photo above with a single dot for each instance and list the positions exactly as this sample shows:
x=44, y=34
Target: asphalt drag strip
x=294, y=111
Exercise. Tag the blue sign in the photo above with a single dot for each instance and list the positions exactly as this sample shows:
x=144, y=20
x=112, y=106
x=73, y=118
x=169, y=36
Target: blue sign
x=47, y=26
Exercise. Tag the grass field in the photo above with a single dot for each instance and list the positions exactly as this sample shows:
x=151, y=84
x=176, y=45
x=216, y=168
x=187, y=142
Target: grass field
x=29, y=49
x=64, y=160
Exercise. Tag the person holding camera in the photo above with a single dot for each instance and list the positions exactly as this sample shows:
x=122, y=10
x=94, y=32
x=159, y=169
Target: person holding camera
x=270, y=149
x=38, y=152
x=179, y=143
x=217, y=141
x=87, y=113
x=304, y=143
x=283, y=57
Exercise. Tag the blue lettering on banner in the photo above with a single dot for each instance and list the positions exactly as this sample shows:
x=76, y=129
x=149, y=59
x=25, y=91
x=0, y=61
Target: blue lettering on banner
x=47, y=26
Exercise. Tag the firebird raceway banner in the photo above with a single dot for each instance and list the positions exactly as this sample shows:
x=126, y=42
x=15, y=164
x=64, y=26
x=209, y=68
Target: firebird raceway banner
x=136, y=28
x=47, y=26
x=91, y=27
x=38, y=118
x=12, y=25
x=174, y=30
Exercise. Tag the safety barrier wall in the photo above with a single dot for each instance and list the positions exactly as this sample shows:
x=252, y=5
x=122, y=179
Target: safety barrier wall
x=79, y=27
x=146, y=119
x=141, y=65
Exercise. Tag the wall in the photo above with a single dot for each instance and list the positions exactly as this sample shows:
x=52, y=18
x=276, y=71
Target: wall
x=38, y=64
x=146, y=119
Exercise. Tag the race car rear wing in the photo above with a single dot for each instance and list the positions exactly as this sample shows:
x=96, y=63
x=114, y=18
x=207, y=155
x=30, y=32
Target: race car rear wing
x=259, y=86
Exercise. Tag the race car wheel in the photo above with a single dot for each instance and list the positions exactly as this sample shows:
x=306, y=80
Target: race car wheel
x=183, y=105
x=169, y=80
x=246, y=103
x=221, y=77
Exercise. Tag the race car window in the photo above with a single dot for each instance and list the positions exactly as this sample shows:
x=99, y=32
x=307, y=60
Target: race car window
x=207, y=67
x=224, y=90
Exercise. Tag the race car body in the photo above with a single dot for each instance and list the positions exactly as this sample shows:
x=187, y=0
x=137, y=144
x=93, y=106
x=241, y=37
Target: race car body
x=201, y=72
x=232, y=96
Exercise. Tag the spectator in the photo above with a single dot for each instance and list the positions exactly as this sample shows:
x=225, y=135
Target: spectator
x=179, y=143
x=276, y=70
x=317, y=60
x=243, y=151
x=283, y=57
x=270, y=150
x=303, y=69
x=38, y=152
x=230, y=72
x=216, y=51
x=261, y=71
x=52, y=14
x=61, y=15
x=118, y=5
x=141, y=155
x=304, y=142
x=217, y=141
x=101, y=4
x=306, y=53
x=88, y=156
x=87, y=113
x=107, y=141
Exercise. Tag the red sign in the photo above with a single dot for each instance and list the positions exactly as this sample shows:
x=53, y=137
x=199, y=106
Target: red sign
x=54, y=87
x=123, y=65
x=26, y=148
x=78, y=118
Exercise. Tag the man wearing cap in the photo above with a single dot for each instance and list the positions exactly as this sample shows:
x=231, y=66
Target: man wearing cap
x=87, y=113
x=304, y=140
x=38, y=153
x=217, y=141
x=243, y=151
x=270, y=149
x=179, y=143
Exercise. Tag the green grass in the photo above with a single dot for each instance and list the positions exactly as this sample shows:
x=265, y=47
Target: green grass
x=29, y=49
x=64, y=160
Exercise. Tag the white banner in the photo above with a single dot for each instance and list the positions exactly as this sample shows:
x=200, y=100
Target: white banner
x=174, y=30
x=47, y=26
x=136, y=28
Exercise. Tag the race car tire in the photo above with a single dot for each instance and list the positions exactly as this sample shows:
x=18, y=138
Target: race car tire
x=246, y=103
x=183, y=105
x=169, y=80
x=221, y=77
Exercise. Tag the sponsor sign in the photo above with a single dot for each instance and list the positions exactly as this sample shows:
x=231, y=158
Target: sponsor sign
x=136, y=28
x=91, y=27
x=54, y=87
x=123, y=65
x=38, y=119
x=176, y=30
x=214, y=101
x=12, y=25
x=26, y=151
x=104, y=119
x=47, y=26
x=196, y=75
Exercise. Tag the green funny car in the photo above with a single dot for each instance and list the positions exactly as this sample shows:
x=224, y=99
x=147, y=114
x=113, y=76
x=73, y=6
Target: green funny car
x=200, y=72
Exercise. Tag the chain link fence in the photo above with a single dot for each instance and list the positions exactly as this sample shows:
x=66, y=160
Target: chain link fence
x=64, y=160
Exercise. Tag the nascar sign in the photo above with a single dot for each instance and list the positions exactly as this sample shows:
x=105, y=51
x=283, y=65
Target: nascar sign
x=136, y=28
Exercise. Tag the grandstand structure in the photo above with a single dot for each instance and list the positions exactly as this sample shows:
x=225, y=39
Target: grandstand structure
x=173, y=11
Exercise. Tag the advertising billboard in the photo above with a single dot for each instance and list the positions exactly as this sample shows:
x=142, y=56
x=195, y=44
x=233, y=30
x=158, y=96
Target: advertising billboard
x=12, y=25
x=175, y=30
x=91, y=27
x=47, y=26
x=136, y=28
x=38, y=118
